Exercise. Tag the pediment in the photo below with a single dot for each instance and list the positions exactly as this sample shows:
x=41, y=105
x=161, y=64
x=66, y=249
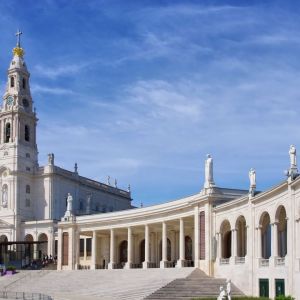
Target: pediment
x=4, y=224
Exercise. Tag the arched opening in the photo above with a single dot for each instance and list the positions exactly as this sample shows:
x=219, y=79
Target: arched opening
x=168, y=250
x=188, y=248
x=241, y=236
x=4, y=195
x=226, y=239
x=24, y=83
x=4, y=250
x=27, y=133
x=42, y=248
x=281, y=231
x=27, y=189
x=7, y=132
x=12, y=81
x=29, y=247
x=142, y=251
x=265, y=236
x=123, y=255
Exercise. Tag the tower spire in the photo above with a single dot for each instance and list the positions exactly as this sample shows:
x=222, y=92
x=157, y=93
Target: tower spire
x=18, y=35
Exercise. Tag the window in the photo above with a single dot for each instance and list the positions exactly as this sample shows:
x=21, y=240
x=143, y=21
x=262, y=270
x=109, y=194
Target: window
x=7, y=133
x=27, y=189
x=81, y=247
x=24, y=83
x=27, y=202
x=27, y=169
x=88, y=247
x=27, y=133
x=27, y=155
x=12, y=81
x=80, y=205
x=4, y=195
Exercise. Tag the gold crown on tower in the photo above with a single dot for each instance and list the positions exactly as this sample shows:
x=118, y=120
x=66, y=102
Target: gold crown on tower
x=18, y=50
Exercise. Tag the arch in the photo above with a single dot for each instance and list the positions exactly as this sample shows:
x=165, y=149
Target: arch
x=27, y=189
x=4, y=195
x=265, y=235
x=169, y=247
x=7, y=133
x=12, y=81
x=4, y=249
x=281, y=220
x=225, y=231
x=24, y=83
x=123, y=255
x=42, y=248
x=27, y=133
x=188, y=243
x=142, y=251
x=29, y=247
x=241, y=236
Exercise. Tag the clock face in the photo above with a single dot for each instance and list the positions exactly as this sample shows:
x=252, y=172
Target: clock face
x=25, y=103
x=10, y=100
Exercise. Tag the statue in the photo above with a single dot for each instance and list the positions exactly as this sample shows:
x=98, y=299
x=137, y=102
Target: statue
x=69, y=211
x=108, y=180
x=228, y=289
x=116, y=183
x=209, y=178
x=129, y=188
x=222, y=295
x=252, y=178
x=293, y=158
x=75, y=168
x=88, y=203
x=51, y=159
x=4, y=196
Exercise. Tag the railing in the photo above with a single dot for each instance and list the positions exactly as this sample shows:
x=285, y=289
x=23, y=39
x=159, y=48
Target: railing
x=188, y=263
x=170, y=264
x=279, y=261
x=224, y=261
x=239, y=260
x=152, y=265
x=136, y=266
x=25, y=296
x=264, y=262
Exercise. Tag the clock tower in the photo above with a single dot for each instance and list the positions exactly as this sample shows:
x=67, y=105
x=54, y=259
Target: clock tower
x=18, y=148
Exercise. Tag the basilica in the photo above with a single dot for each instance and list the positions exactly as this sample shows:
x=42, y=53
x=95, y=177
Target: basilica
x=251, y=237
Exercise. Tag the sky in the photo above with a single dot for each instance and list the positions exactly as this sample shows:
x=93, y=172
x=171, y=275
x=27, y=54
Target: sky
x=143, y=90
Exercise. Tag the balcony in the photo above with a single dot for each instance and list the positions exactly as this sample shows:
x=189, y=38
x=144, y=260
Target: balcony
x=239, y=260
x=224, y=261
x=279, y=261
x=263, y=262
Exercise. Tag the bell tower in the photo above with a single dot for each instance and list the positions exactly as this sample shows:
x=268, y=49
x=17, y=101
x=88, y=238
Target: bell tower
x=18, y=148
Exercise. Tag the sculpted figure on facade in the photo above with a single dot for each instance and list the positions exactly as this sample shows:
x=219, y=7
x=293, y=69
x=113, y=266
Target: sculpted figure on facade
x=252, y=178
x=51, y=159
x=69, y=211
x=4, y=196
x=293, y=158
x=209, y=178
x=88, y=203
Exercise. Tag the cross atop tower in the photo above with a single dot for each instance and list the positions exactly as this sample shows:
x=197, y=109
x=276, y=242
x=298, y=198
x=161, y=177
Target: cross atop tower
x=18, y=34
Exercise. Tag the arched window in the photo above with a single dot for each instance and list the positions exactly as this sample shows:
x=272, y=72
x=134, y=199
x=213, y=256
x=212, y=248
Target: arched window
x=12, y=81
x=241, y=235
x=24, y=83
x=225, y=231
x=265, y=236
x=7, y=133
x=27, y=189
x=27, y=133
x=281, y=231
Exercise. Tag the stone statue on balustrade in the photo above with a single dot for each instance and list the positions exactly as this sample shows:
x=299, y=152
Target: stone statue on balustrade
x=209, y=177
x=252, y=178
x=293, y=170
x=69, y=212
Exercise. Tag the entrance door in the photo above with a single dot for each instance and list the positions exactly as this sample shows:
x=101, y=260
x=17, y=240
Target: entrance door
x=264, y=288
x=279, y=287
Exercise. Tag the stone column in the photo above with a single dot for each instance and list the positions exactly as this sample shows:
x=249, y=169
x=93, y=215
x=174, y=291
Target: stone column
x=59, y=249
x=77, y=262
x=259, y=237
x=274, y=240
x=219, y=245
x=196, y=237
x=164, y=245
x=71, y=254
x=180, y=262
x=111, y=264
x=147, y=256
x=152, y=244
x=129, y=248
x=94, y=251
x=234, y=243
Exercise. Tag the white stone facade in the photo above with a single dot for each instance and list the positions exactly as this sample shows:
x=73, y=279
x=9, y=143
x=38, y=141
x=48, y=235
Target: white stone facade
x=33, y=197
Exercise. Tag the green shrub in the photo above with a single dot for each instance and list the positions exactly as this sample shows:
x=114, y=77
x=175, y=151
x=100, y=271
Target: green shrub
x=284, y=298
x=10, y=268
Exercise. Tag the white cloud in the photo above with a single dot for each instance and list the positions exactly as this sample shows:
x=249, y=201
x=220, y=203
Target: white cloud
x=36, y=88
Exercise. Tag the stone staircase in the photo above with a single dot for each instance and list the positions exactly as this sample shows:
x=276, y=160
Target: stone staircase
x=134, y=284
x=196, y=285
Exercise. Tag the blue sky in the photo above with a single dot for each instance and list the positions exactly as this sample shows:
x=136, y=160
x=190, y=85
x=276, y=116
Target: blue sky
x=143, y=90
